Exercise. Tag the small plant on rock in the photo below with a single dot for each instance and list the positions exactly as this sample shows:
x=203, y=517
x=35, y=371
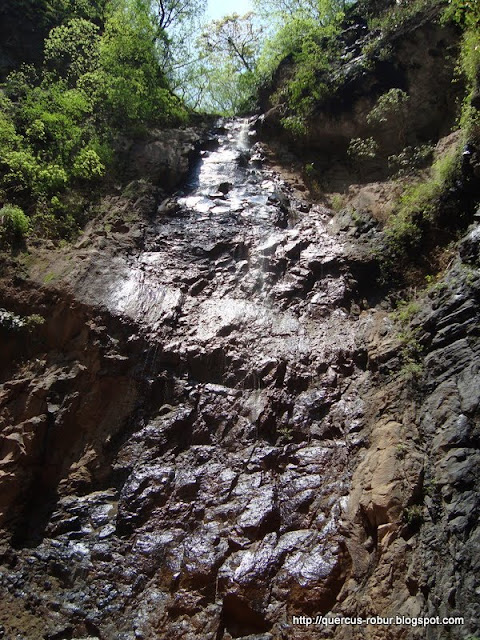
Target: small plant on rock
x=14, y=224
x=413, y=516
x=362, y=148
x=33, y=322
x=337, y=201
x=285, y=432
x=392, y=108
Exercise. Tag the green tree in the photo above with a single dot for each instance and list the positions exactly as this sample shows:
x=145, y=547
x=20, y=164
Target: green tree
x=135, y=89
x=322, y=11
x=234, y=38
x=223, y=76
x=72, y=49
x=14, y=224
x=169, y=14
x=102, y=75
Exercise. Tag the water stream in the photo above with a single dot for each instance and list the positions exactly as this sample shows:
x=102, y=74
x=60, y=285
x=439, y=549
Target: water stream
x=236, y=253
x=218, y=505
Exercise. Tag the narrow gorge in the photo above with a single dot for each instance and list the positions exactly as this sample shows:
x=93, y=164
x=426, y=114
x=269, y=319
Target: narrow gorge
x=240, y=356
x=210, y=435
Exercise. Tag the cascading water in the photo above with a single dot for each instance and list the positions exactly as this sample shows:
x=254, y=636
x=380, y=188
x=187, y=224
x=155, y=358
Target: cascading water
x=230, y=237
x=216, y=510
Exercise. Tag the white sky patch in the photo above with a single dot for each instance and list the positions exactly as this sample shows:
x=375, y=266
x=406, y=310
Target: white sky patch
x=219, y=8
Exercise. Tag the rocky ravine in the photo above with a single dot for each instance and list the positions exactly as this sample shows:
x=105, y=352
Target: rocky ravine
x=211, y=433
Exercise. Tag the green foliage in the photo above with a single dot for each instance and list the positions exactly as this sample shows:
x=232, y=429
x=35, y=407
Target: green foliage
x=411, y=352
x=313, y=48
x=362, y=148
x=102, y=75
x=233, y=57
x=391, y=109
x=224, y=76
x=337, y=202
x=235, y=37
x=401, y=450
x=407, y=310
x=134, y=91
x=412, y=371
x=29, y=324
x=389, y=105
x=411, y=349
x=410, y=160
x=58, y=11
x=320, y=11
x=413, y=516
x=285, y=433
x=469, y=64
x=20, y=169
x=414, y=212
x=396, y=16
x=14, y=224
x=172, y=13
x=87, y=165
x=33, y=322
x=71, y=50
x=466, y=12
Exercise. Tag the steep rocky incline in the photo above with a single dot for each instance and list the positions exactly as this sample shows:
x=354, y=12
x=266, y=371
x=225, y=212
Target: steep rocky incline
x=212, y=433
x=418, y=56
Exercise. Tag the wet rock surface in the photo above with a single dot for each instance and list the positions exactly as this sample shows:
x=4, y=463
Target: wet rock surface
x=415, y=493
x=210, y=435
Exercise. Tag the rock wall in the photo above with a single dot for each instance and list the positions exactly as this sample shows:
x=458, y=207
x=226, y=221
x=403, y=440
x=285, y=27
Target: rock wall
x=212, y=432
x=414, y=504
x=419, y=58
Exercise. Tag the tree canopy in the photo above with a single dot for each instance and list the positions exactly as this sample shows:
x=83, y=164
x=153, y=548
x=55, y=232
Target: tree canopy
x=59, y=122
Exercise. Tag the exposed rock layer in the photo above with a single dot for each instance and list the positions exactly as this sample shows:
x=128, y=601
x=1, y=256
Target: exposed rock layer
x=212, y=433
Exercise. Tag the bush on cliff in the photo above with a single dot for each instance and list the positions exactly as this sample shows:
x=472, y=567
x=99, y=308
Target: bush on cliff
x=58, y=123
x=14, y=225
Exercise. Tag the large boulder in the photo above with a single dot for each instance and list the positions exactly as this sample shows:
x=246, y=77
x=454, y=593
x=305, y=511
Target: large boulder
x=164, y=157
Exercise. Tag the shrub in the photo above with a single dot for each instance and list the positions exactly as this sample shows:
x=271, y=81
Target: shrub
x=413, y=516
x=14, y=223
x=417, y=209
x=51, y=179
x=87, y=165
x=391, y=107
x=360, y=148
x=410, y=160
x=33, y=322
x=313, y=47
x=401, y=13
x=20, y=170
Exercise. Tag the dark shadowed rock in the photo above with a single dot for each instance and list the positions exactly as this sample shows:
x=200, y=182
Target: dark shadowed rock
x=164, y=158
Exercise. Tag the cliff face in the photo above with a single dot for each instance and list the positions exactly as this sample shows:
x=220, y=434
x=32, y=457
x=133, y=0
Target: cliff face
x=422, y=462
x=419, y=57
x=221, y=425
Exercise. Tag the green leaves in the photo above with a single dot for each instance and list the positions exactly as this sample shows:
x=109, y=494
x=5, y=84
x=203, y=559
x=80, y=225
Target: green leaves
x=466, y=12
x=389, y=105
x=72, y=49
x=228, y=51
x=87, y=165
x=235, y=37
x=312, y=45
x=135, y=88
x=58, y=123
x=14, y=224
